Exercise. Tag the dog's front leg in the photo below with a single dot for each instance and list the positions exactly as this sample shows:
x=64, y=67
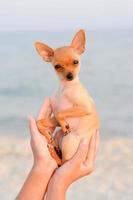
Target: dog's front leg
x=77, y=111
x=46, y=124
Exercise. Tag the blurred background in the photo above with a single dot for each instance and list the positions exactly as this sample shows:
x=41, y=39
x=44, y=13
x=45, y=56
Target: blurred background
x=106, y=71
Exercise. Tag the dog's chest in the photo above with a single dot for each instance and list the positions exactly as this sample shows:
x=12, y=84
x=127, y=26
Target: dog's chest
x=61, y=100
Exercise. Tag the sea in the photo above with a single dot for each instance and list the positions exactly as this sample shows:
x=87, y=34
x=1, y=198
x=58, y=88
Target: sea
x=106, y=71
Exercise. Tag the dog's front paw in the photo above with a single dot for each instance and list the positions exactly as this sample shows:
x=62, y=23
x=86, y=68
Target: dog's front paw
x=66, y=129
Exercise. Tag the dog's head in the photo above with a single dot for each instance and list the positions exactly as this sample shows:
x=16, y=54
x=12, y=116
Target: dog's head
x=65, y=60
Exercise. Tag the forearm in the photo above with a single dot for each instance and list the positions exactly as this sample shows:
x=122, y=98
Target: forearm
x=56, y=190
x=35, y=184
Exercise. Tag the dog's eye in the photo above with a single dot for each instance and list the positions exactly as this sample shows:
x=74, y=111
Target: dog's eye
x=58, y=66
x=75, y=62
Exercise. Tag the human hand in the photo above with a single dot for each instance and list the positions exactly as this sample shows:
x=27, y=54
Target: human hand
x=42, y=157
x=44, y=165
x=80, y=165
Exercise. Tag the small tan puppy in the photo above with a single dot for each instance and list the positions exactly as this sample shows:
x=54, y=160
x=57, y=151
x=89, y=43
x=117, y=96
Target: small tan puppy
x=71, y=107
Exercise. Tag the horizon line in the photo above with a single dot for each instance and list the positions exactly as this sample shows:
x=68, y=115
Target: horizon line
x=68, y=29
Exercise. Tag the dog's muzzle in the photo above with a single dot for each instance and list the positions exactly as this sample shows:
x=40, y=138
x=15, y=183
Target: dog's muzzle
x=69, y=76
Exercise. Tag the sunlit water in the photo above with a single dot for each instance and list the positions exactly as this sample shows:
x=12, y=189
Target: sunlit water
x=106, y=71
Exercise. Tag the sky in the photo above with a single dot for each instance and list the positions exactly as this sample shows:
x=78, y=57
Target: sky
x=19, y=15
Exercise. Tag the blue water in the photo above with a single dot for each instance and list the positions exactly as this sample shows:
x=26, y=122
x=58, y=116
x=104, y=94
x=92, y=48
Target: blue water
x=107, y=71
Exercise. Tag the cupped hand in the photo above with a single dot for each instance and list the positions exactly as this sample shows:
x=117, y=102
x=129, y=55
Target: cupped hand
x=81, y=164
x=39, y=147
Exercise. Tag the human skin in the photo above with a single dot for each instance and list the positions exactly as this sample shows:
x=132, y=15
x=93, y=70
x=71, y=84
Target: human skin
x=43, y=167
x=72, y=105
x=44, y=173
x=80, y=165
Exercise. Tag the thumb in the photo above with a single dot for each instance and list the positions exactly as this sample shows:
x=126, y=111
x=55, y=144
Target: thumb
x=32, y=126
x=81, y=153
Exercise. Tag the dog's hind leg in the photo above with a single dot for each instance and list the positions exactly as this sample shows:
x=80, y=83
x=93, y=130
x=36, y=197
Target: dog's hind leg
x=46, y=126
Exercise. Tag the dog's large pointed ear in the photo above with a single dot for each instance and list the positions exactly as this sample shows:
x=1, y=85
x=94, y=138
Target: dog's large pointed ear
x=45, y=51
x=78, y=42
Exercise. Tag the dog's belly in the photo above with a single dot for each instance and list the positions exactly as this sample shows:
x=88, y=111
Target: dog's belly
x=77, y=124
x=81, y=127
x=86, y=127
x=61, y=104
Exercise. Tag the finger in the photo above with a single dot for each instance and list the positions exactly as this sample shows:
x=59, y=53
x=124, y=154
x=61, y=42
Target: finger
x=97, y=142
x=82, y=151
x=41, y=113
x=91, y=152
x=33, y=127
x=45, y=111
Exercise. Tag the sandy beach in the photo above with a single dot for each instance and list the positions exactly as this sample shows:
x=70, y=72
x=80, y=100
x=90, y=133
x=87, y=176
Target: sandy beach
x=25, y=81
x=111, y=180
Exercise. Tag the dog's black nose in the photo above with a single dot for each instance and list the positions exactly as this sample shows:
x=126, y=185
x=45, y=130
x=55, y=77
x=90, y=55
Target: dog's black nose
x=69, y=76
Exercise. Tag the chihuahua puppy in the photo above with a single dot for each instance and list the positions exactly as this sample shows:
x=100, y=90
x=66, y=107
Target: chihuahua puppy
x=71, y=107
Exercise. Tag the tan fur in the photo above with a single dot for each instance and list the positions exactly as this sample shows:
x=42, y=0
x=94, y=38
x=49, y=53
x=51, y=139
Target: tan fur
x=73, y=107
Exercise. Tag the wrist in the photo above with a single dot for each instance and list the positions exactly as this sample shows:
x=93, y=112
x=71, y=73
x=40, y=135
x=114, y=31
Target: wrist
x=56, y=190
x=43, y=167
x=58, y=183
